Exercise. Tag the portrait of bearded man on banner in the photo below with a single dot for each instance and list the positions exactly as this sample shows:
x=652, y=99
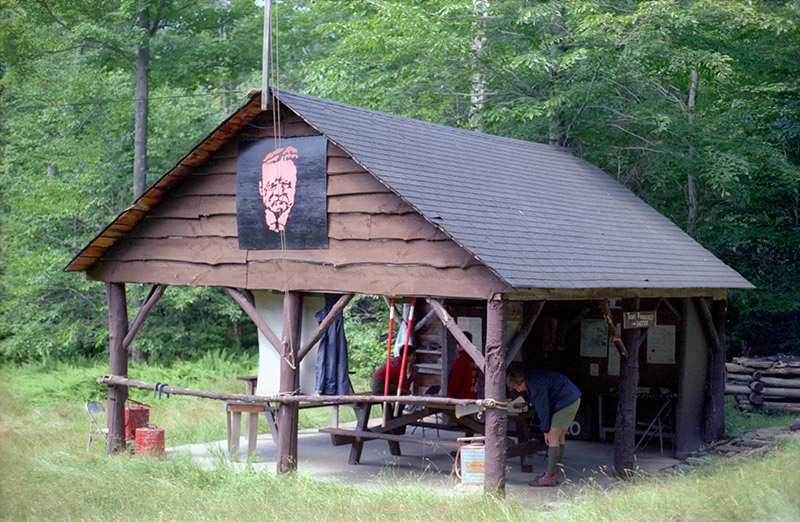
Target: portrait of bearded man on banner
x=277, y=186
x=281, y=193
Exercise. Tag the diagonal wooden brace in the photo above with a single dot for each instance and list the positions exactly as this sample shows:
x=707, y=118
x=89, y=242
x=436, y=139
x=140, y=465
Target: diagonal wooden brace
x=525, y=330
x=250, y=310
x=335, y=312
x=155, y=294
x=453, y=328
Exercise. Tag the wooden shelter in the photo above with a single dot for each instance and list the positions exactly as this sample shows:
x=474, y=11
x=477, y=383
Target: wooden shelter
x=530, y=243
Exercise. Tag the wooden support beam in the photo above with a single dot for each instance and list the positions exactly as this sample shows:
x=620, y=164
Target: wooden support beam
x=625, y=426
x=422, y=323
x=456, y=332
x=495, y=389
x=714, y=417
x=612, y=329
x=117, y=364
x=668, y=304
x=525, y=330
x=249, y=309
x=335, y=312
x=289, y=381
x=701, y=305
x=155, y=294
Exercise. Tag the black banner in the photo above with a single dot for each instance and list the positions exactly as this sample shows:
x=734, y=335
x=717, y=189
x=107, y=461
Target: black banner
x=281, y=188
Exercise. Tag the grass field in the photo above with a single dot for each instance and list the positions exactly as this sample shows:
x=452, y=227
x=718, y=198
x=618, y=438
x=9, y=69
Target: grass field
x=47, y=474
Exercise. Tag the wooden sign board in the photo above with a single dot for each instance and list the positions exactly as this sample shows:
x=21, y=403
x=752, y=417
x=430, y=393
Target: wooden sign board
x=632, y=320
x=281, y=194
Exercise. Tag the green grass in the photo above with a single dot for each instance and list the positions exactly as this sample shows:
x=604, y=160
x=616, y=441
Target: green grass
x=47, y=474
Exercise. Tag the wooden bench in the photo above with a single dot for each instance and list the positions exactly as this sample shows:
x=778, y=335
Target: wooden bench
x=234, y=410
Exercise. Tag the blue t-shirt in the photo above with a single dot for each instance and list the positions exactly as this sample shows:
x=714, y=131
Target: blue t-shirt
x=549, y=392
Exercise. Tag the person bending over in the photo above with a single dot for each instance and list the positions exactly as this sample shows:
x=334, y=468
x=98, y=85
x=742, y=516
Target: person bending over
x=556, y=400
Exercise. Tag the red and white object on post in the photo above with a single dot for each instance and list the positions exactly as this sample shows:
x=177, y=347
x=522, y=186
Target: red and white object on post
x=149, y=441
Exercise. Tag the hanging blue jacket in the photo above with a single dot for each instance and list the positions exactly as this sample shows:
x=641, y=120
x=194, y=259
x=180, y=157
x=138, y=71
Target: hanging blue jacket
x=549, y=392
x=332, y=376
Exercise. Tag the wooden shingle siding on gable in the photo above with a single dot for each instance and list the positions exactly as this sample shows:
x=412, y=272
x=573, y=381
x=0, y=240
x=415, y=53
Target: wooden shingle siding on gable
x=377, y=242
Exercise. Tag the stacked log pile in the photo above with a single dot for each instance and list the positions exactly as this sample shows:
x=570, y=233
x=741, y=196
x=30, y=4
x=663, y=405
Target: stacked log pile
x=748, y=444
x=767, y=383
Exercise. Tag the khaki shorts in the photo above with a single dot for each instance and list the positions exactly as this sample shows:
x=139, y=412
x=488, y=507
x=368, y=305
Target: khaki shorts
x=563, y=418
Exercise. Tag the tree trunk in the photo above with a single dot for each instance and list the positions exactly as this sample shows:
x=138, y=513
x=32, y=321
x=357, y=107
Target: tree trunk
x=715, y=399
x=557, y=50
x=691, y=187
x=478, y=92
x=141, y=108
x=289, y=381
x=625, y=433
x=495, y=388
x=117, y=364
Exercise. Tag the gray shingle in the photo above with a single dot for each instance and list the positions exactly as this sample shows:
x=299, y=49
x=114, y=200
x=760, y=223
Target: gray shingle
x=539, y=216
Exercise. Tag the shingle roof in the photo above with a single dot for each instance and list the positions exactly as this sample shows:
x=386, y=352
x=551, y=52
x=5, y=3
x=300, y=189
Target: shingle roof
x=537, y=215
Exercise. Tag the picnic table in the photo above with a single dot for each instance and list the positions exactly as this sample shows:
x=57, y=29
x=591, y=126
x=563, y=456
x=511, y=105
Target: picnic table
x=519, y=443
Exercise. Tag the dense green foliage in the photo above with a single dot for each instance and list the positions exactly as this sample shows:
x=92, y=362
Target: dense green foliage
x=694, y=105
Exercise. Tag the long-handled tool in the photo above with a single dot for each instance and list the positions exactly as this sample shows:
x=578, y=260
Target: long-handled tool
x=409, y=326
x=388, y=360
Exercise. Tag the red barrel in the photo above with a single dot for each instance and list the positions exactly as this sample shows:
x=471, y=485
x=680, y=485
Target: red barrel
x=149, y=441
x=135, y=417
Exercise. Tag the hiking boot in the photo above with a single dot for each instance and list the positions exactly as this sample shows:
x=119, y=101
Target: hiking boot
x=548, y=479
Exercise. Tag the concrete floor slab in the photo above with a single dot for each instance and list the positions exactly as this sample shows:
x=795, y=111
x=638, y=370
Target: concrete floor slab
x=585, y=464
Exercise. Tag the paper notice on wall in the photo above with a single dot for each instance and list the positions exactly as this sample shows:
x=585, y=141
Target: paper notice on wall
x=594, y=338
x=473, y=325
x=661, y=344
x=613, y=356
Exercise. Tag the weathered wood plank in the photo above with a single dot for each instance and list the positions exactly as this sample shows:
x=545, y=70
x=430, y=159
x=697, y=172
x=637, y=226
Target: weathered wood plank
x=216, y=165
x=169, y=273
x=368, y=204
x=355, y=183
x=207, y=250
x=195, y=207
x=343, y=165
x=299, y=129
x=440, y=254
x=475, y=282
x=155, y=228
x=471, y=283
x=335, y=150
x=211, y=185
x=407, y=227
x=380, y=226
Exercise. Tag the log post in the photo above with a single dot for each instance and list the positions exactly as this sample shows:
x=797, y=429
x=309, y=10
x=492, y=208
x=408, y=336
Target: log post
x=117, y=364
x=681, y=418
x=715, y=388
x=289, y=381
x=495, y=388
x=625, y=427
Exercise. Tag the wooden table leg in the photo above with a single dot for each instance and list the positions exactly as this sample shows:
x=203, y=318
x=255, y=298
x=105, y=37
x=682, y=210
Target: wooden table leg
x=228, y=419
x=236, y=431
x=252, y=434
x=269, y=414
x=362, y=415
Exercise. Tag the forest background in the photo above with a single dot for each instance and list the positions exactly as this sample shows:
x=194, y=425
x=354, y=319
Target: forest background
x=694, y=105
